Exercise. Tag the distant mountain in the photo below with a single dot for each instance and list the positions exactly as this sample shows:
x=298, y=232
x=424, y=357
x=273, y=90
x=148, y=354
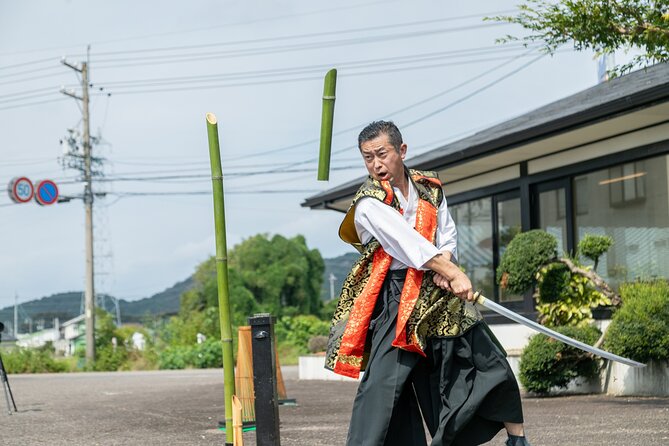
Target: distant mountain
x=65, y=306
x=339, y=267
x=164, y=303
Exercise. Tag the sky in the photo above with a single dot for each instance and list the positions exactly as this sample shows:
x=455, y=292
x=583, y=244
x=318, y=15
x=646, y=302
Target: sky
x=157, y=67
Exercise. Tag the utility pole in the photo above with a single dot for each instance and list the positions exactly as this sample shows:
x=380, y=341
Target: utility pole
x=88, y=205
x=332, y=279
x=16, y=315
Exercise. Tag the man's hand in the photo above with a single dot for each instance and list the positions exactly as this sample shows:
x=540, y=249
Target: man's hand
x=449, y=277
x=462, y=287
x=442, y=282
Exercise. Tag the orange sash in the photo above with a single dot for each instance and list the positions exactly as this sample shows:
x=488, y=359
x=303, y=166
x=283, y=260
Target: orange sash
x=351, y=349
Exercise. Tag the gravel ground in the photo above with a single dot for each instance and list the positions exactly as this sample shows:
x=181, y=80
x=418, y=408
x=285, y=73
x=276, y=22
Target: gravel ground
x=183, y=408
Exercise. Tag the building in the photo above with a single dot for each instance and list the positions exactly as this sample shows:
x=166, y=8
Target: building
x=595, y=162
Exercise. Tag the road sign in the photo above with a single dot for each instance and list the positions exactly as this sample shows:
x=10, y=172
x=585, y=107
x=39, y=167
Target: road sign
x=20, y=190
x=46, y=192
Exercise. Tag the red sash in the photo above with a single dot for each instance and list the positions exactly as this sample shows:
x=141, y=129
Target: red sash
x=351, y=349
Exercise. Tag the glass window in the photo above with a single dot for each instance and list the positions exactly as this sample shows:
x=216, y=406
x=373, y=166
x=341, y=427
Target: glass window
x=630, y=203
x=552, y=216
x=508, y=225
x=473, y=220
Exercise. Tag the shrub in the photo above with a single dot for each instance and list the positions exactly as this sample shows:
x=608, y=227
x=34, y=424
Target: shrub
x=640, y=328
x=208, y=354
x=297, y=330
x=593, y=246
x=174, y=357
x=546, y=363
x=564, y=298
x=28, y=360
x=109, y=359
x=526, y=253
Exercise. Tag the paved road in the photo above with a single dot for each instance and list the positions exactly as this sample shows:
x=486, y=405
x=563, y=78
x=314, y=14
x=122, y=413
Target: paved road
x=183, y=408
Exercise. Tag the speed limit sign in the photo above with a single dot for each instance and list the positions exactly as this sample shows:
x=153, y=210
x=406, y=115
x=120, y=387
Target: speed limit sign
x=21, y=190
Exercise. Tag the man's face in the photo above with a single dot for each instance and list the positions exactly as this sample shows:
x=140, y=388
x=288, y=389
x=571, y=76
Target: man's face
x=383, y=162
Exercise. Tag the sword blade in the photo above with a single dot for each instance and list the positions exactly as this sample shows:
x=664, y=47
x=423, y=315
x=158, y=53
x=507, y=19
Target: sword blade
x=554, y=334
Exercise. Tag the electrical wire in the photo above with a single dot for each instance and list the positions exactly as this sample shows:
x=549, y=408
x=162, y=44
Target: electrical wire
x=296, y=36
x=433, y=113
x=101, y=64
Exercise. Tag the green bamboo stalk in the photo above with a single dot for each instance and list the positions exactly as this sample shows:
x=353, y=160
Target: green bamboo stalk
x=222, y=272
x=327, y=119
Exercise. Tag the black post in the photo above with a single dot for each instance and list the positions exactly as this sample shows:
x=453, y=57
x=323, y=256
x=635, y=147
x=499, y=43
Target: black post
x=264, y=380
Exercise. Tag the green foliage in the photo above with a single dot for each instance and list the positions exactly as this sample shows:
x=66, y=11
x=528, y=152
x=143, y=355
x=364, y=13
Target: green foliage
x=200, y=356
x=328, y=309
x=603, y=26
x=297, y=330
x=281, y=273
x=33, y=360
x=525, y=254
x=594, y=246
x=564, y=298
x=640, y=328
x=276, y=275
x=546, y=363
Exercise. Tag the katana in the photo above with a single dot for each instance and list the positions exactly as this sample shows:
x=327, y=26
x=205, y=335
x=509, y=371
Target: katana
x=551, y=333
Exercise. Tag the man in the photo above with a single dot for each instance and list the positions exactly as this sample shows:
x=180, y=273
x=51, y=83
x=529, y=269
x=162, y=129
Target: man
x=406, y=317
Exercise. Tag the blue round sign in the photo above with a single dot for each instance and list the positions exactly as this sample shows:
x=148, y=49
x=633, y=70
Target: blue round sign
x=46, y=192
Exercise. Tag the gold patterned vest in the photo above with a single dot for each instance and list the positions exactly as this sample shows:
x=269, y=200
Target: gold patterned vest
x=425, y=310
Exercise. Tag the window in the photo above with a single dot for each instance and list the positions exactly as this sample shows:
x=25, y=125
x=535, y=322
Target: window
x=473, y=220
x=630, y=203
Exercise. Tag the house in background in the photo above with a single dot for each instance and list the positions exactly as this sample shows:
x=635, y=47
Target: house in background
x=595, y=162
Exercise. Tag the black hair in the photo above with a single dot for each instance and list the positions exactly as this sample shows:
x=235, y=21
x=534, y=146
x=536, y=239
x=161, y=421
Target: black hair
x=376, y=129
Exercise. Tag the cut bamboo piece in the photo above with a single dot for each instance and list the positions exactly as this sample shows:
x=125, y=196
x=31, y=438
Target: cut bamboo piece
x=238, y=438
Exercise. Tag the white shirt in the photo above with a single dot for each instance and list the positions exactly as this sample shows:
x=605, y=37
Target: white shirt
x=396, y=234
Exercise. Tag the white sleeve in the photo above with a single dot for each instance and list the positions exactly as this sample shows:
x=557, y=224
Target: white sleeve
x=396, y=236
x=447, y=234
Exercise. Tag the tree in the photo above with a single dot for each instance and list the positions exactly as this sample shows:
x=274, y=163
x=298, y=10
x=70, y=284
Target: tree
x=603, y=26
x=283, y=274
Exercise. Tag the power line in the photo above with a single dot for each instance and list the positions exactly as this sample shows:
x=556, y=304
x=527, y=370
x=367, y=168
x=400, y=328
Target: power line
x=342, y=74
x=168, y=59
x=32, y=103
x=404, y=59
x=145, y=36
x=31, y=62
x=446, y=107
x=390, y=114
x=297, y=36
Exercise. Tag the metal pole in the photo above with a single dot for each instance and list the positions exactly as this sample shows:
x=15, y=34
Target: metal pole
x=16, y=315
x=264, y=380
x=88, y=205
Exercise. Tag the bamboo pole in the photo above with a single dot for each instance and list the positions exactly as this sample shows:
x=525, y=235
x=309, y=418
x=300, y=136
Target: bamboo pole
x=327, y=119
x=237, y=422
x=222, y=272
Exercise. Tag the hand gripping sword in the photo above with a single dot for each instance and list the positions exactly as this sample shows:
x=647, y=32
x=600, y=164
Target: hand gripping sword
x=553, y=334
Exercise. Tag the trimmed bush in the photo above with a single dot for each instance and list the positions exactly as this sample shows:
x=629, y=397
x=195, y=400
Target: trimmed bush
x=526, y=253
x=639, y=330
x=594, y=246
x=546, y=363
x=564, y=298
